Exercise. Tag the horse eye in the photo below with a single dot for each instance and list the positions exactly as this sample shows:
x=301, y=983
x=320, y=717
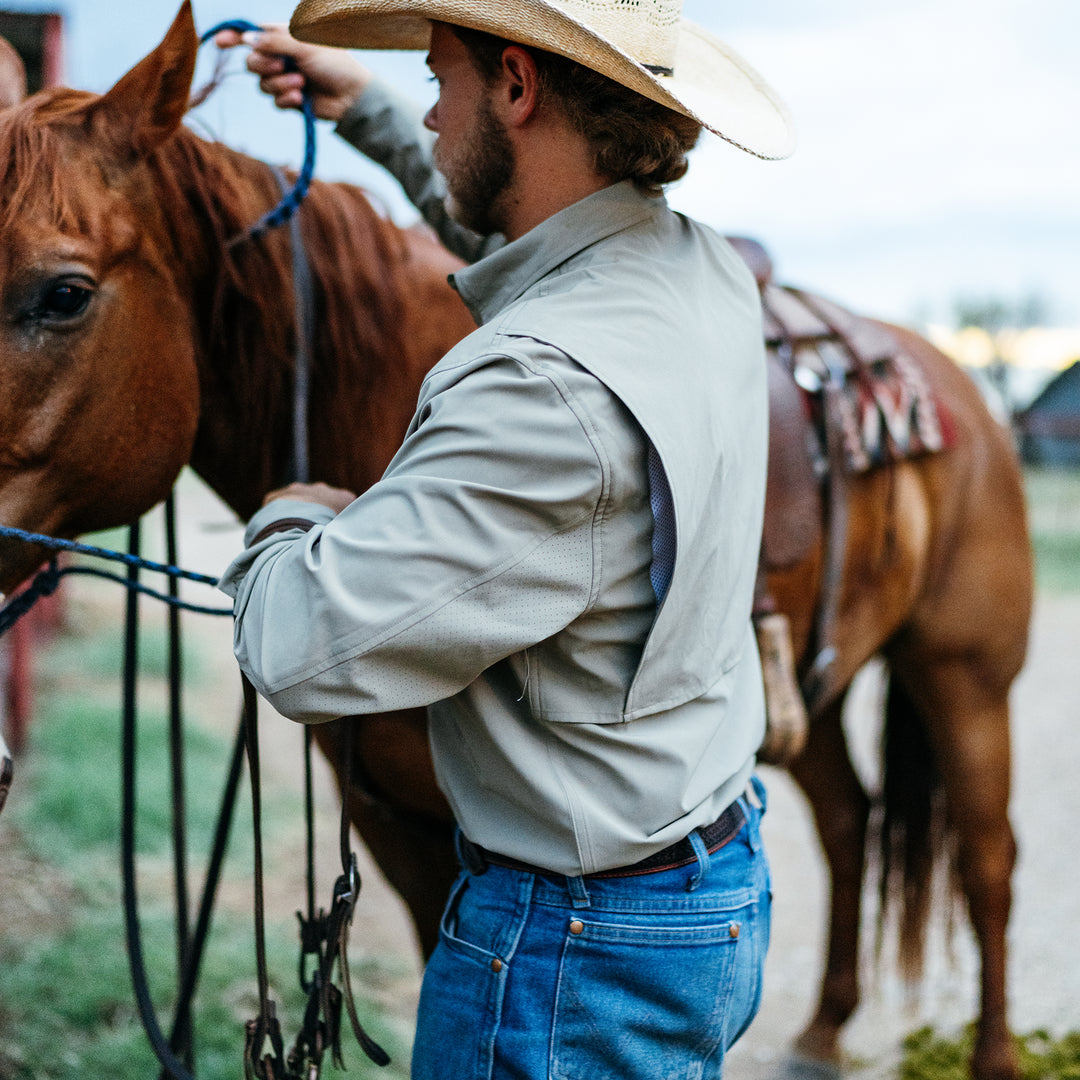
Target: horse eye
x=65, y=300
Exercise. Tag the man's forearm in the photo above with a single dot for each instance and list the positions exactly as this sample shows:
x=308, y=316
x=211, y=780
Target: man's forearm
x=388, y=128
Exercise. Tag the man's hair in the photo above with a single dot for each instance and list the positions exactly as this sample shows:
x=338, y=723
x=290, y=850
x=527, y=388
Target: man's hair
x=632, y=137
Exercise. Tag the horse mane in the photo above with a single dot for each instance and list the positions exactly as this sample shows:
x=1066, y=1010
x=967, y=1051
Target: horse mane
x=356, y=262
x=31, y=177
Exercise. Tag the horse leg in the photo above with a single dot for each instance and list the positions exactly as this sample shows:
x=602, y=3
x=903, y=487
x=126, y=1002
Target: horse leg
x=841, y=810
x=970, y=736
x=396, y=807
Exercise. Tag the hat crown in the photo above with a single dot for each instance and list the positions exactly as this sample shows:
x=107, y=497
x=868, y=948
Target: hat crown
x=646, y=30
x=637, y=43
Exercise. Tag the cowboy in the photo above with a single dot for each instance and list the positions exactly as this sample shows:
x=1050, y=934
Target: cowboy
x=559, y=562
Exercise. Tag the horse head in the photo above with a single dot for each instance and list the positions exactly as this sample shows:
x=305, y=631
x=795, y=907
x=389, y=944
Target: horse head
x=101, y=390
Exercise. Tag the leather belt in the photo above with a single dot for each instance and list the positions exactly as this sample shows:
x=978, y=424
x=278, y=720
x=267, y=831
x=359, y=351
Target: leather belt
x=681, y=853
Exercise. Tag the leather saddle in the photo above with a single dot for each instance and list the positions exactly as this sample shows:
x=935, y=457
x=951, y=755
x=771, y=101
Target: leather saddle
x=809, y=341
x=843, y=398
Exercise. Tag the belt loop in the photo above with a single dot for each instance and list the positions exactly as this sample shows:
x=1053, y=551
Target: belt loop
x=579, y=894
x=755, y=800
x=702, y=861
x=759, y=790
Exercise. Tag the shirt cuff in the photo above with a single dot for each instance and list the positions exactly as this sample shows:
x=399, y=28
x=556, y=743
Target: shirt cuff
x=284, y=515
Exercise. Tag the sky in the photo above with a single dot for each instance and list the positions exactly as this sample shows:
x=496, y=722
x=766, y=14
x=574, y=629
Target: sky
x=939, y=142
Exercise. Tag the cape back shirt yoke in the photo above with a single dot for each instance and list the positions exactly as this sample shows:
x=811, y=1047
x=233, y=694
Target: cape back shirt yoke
x=617, y=728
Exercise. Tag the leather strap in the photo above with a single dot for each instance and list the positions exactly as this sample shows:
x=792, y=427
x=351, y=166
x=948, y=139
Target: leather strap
x=723, y=830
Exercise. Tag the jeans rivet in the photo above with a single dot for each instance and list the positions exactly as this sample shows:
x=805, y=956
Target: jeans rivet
x=496, y=965
x=733, y=930
x=577, y=926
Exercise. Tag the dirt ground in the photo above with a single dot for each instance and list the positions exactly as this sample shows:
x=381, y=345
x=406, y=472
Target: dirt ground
x=1045, y=944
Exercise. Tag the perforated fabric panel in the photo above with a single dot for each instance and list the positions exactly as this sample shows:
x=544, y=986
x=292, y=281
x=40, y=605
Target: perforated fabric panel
x=535, y=598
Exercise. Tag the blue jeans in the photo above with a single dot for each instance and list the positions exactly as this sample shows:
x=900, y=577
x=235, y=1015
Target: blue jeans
x=543, y=977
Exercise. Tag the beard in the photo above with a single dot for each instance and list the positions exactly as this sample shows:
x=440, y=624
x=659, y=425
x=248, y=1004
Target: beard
x=479, y=174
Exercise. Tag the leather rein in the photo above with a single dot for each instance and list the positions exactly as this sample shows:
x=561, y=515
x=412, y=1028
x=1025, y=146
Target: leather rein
x=323, y=933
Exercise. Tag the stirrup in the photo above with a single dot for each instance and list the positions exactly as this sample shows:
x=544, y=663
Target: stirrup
x=786, y=721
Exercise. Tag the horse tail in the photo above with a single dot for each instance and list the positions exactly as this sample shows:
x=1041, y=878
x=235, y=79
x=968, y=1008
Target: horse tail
x=913, y=836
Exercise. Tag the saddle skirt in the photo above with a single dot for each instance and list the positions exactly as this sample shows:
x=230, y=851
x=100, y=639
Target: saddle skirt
x=886, y=409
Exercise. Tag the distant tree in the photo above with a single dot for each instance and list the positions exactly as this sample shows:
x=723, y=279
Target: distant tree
x=1033, y=310
x=993, y=314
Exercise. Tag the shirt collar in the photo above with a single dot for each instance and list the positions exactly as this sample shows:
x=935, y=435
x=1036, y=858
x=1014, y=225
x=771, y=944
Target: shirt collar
x=493, y=283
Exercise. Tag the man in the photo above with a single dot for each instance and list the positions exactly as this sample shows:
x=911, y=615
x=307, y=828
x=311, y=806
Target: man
x=560, y=560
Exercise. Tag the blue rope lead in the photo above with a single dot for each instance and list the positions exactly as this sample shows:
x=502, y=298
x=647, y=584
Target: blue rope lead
x=54, y=543
x=290, y=203
x=47, y=580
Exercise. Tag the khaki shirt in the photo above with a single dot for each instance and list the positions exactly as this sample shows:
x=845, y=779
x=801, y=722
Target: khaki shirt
x=499, y=572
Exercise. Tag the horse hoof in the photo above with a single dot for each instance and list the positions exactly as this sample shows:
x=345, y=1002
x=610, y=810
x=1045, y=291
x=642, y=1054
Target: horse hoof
x=997, y=1059
x=781, y=747
x=798, y=1067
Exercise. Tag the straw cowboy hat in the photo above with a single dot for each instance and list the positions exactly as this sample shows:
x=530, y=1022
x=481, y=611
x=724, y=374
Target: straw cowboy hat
x=644, y=44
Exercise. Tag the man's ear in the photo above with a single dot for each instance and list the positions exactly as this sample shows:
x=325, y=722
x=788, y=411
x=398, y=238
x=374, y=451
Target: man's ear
x=518, y=90
x=12, y=75
x=146, y=106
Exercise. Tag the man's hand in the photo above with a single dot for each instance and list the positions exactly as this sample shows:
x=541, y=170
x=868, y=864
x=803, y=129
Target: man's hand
x=322, y=494
x=334, y=78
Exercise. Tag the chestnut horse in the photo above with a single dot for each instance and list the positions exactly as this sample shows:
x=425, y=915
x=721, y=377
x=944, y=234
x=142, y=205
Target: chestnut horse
x=137, y=337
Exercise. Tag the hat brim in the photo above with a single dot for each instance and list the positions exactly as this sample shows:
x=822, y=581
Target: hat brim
x=711, y=83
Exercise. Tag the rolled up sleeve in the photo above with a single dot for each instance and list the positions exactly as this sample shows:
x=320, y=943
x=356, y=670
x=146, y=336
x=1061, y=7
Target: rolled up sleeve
x=477, y=543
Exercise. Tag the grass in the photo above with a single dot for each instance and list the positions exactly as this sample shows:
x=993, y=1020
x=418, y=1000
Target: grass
x=67, y=1008
x=930, y=1056
x=69, y=999
x=1053, y=498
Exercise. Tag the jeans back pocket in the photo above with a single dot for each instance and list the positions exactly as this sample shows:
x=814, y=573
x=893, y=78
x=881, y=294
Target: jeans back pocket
x=651, y=1001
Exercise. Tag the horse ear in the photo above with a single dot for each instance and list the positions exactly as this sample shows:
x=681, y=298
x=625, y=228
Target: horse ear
x=146, y=106
x=12, y=75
